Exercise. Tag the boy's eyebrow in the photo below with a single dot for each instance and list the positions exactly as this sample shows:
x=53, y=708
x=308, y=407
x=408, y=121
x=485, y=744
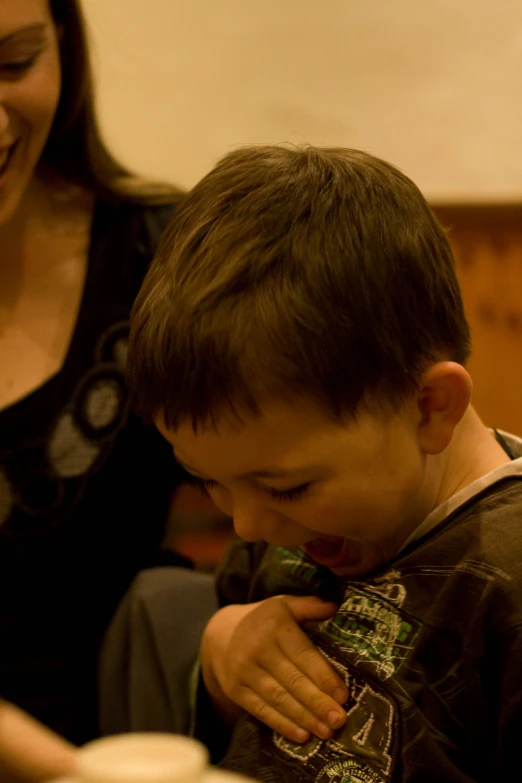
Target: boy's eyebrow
x=23, y=31
x=264, y=473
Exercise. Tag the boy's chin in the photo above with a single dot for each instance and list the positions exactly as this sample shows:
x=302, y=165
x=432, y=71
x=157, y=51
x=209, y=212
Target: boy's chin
x=363, y=569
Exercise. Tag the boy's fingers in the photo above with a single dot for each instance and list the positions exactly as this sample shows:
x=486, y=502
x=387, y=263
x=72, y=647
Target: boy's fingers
x=297, y=647
x=307, y=696
x=308, y=608
x=274, y=706
x=277, y=695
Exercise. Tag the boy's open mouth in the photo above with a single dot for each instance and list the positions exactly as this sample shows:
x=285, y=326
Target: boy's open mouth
x=333, y=551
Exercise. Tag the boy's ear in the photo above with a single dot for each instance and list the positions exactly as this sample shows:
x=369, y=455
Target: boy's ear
x=443, y=399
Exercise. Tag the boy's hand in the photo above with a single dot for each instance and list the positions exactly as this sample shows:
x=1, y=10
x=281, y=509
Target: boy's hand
x=257, y=657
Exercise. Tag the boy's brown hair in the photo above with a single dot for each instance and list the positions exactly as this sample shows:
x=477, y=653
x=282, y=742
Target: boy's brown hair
x=294, y=271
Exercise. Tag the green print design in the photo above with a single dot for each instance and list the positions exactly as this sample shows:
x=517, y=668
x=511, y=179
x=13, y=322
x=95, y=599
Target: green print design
x=290, y=567
x=370, y=624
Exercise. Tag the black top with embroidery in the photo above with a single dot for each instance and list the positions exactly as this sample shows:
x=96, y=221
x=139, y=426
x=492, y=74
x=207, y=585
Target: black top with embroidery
x=84, y=490
x=430, y=649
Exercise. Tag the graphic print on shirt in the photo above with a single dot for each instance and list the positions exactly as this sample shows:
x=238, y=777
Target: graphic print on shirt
x=370, y=624
x=372, y=632
x=377, y=640
x=361, y=751
x=370, y=620
x=411, y=667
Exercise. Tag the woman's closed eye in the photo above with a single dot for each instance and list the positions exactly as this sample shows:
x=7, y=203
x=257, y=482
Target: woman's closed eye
x=18, y=67
x=283, y=495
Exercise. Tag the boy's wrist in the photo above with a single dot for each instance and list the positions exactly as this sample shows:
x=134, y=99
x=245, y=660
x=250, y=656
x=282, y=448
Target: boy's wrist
x=226, y=708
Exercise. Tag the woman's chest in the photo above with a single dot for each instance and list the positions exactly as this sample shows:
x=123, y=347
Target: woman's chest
x=38, y=318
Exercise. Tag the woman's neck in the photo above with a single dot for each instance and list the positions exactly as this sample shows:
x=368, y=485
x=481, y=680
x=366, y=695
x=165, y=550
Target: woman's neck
x=51, y=215
x=48, y=206
x=43, y=268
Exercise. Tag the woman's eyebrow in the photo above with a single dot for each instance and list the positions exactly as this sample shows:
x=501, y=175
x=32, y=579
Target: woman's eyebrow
x=38, y=30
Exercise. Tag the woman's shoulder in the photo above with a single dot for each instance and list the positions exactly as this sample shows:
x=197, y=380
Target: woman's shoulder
x=125, y=235
x=156, y=219
x=150, y=220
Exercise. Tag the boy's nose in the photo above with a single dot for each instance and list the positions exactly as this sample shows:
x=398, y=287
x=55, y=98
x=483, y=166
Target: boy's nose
x=254, y=525
x=247, y=528
x=251, y=522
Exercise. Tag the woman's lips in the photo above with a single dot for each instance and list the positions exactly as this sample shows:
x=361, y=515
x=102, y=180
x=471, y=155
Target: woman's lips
x=333, y=551
x=6, y=156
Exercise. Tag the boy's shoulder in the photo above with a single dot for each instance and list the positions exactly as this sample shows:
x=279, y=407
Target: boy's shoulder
x=486, y=527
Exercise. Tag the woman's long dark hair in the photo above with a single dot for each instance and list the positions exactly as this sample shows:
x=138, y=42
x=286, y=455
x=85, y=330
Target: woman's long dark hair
x=75, y=150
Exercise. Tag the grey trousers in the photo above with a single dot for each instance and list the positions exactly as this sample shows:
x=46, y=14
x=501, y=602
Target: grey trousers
x=150, y=650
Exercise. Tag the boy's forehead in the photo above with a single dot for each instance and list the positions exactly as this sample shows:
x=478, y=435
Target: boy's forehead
x=276, y=420
x=285, y=438
x=263, y=443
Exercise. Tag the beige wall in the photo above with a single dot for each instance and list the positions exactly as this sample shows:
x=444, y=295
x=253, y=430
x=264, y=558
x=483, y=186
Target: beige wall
x=433, y=85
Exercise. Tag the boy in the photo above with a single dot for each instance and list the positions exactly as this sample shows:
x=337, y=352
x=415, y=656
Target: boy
x=300, y=340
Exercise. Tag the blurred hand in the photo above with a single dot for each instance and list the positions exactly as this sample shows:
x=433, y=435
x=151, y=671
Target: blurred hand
x=29, y=751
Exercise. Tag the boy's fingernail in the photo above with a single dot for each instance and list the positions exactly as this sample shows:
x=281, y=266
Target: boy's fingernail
x=301, y=735
x=334, y=719
x=323, y=730
x=340, y=695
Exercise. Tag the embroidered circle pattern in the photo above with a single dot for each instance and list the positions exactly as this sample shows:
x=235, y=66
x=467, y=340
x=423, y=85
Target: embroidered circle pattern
x=79, y=438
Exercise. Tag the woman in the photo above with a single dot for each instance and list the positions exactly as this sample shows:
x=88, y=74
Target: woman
x=84, y=488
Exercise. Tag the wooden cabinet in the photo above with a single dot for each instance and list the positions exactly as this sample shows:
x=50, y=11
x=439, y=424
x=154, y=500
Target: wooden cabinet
x=487, y=242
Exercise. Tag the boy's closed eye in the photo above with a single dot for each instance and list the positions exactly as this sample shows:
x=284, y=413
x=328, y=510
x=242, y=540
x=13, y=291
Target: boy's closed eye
x=287, y=495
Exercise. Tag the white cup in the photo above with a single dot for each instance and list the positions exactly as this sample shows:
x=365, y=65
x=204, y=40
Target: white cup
x=143, y=758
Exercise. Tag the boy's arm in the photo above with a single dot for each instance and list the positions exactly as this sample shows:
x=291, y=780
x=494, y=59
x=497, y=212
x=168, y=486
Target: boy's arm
x=29, y=751
x=212, y=713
